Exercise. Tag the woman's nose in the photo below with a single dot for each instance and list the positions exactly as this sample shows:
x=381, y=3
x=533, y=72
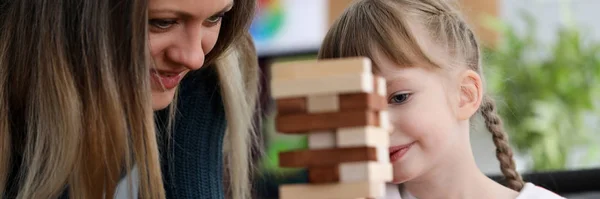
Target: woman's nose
x=189, y=52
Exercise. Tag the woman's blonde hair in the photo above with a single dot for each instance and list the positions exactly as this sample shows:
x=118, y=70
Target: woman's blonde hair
x=236, y=63
x=238, y=73
x=75, y=108
x=75, y=112
x=389, y=26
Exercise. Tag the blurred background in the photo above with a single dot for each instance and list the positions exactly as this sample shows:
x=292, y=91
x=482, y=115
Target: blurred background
x=542, y=64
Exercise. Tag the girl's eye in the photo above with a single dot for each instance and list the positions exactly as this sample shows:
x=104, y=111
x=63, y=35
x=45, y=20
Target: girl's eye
x=215, y=19
x=399, y=98
x=162, y=24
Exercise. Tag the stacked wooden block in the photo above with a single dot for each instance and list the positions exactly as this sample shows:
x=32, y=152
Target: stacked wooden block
x=341, y=107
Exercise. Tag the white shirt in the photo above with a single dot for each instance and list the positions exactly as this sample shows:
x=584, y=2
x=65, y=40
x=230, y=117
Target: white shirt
x=529, y=191
x=123, y=191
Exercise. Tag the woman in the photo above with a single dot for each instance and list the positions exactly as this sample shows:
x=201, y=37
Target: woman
x=218, y=92
x=78, y=93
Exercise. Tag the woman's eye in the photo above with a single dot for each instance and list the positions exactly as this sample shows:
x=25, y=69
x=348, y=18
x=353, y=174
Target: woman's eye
x=162, y=23
x=215, y=19
x=399, y=98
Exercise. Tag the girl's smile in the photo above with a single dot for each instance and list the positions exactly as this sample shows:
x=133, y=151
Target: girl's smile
x=398, y=152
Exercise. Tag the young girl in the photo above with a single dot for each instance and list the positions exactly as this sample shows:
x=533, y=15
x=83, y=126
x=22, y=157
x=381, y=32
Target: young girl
x=431, y=61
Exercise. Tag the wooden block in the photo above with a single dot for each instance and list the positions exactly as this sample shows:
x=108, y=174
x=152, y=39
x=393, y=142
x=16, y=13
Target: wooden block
x=366, y=171
x=347, y=102
x=324, y=174
x=312, y=69
x=383, y=154
x=353, y=83
x=321, y=140
x=362, y=101
x=323, y=103
x=384, y=120
x=392, y=191
x=333, y=190
x=351, y=172
x=304, y=123
x=291, y=106
x=323, y=157
x=380, y=87
x=362, y=136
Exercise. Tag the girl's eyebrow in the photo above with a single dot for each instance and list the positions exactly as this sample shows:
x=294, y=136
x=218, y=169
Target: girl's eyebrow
x=397, y=78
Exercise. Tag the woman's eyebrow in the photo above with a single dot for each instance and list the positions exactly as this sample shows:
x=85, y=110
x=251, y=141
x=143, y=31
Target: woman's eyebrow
x=184, y=14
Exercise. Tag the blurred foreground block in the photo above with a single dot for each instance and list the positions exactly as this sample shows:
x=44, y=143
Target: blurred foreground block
x=341, y=106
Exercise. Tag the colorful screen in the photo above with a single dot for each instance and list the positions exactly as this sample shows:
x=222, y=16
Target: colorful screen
x=289, y=26
x=268, y=20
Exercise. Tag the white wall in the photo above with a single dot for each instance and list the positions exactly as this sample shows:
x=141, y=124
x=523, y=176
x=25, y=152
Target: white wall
x=551, y=14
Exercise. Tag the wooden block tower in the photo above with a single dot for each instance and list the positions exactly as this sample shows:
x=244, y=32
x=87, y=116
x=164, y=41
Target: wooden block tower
x=341, y=106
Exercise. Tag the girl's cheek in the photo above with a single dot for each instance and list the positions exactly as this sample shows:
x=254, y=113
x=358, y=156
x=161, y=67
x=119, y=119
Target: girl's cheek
x=406, y=127
x=406, y=120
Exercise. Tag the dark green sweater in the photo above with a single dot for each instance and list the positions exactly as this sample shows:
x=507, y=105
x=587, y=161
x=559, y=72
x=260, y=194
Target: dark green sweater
x=195, y=166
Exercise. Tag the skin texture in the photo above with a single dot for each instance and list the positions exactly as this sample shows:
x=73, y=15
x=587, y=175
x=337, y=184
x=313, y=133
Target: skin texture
x=431, y=108
x=430, y=58
x=181, y=33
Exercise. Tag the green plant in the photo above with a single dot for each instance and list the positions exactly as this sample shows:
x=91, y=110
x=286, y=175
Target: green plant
x=277, y=143
x=544, y=91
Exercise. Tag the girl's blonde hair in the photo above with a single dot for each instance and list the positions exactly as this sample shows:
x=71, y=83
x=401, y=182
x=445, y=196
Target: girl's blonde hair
x=389, y=26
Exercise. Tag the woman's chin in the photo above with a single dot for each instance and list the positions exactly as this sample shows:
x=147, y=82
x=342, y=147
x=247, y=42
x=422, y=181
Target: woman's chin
x=162, y=99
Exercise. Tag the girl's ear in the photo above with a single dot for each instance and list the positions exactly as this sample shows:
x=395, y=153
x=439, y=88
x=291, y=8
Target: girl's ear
x=471, y=94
